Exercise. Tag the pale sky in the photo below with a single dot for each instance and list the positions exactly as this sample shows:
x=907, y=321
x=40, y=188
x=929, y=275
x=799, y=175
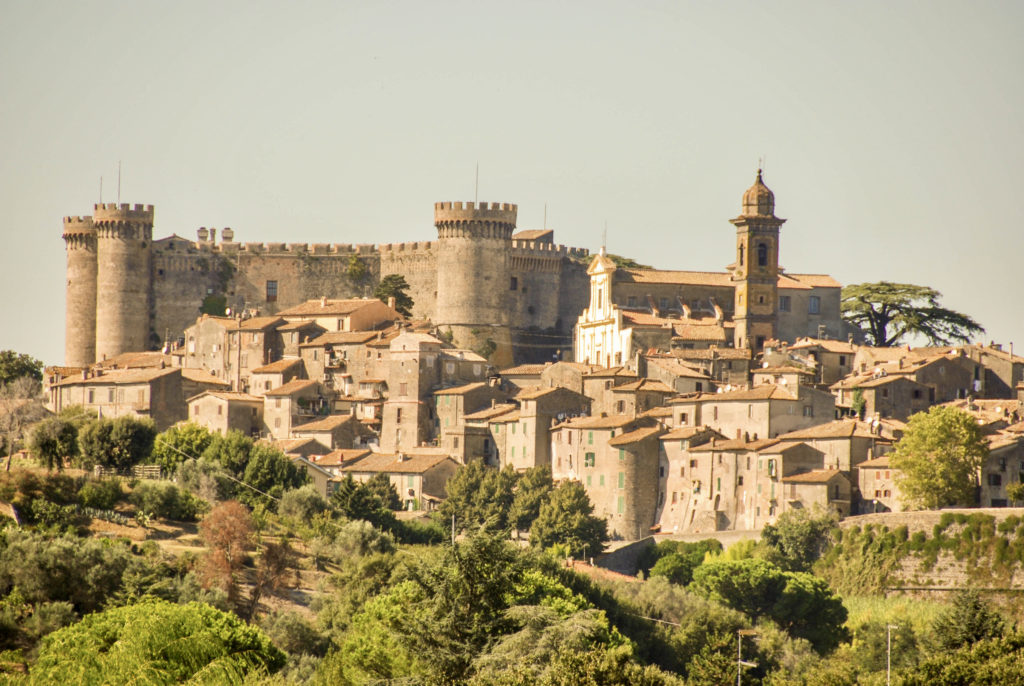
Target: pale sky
x=892, y=132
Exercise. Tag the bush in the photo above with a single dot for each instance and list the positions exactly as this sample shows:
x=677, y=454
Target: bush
x=302, y=504
x=101, y=494
x=165, y=500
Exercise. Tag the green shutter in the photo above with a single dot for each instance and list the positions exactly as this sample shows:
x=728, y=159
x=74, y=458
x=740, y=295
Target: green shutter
x=622, y=479
x=622, y=504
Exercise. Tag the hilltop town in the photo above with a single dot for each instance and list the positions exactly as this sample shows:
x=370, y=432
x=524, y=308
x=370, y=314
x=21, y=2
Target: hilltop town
x=683, y=402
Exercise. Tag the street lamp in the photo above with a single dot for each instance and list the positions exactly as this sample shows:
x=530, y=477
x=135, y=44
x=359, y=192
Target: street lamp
x=740, y=662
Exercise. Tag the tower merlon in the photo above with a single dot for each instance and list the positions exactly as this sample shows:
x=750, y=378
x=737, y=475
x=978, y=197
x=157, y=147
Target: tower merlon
x=112, y=212
x=502, y=212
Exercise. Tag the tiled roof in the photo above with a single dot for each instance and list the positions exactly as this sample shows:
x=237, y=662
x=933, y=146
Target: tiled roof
x=674, y=277
x=816, y=477
x=649, y=385
x=685, y=432
x=610, y=422
x=656, y=412
x=806, y=281
x=839, y=428
x=532, y=234
x=292, y=387
x=229, y=396
x=202, y=376
x=786, y=369
x=291, y=445
x=278, y=367
x=136, y=360
x=523, y=370
x=674, y=366
x=636, y=436
x=299, y=325
x=341, y=338
x=490, y=412
x=259, y=323
x=328, y=307
x=388, y=463
x=713, y=353
x=460, y=390
x=829, y=345
x=534, y=392
x=337, y=458
x=763, y=392
x=605, y=372
x=328, y=423
x=117, y=377
x=875, y=463
x=735, y=445
x=694, y=331
x=505, y=418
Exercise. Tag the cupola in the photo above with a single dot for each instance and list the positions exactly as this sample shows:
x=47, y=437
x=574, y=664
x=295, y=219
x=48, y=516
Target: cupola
x=758, y=201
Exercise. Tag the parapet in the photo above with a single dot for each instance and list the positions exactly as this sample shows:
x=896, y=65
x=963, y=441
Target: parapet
x=112, y=212
x=500, y=212
x=78, y=226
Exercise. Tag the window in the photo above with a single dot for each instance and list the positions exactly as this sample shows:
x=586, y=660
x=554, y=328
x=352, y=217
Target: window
x=718, y=484
x=622, y=455
x=403, y=388
x=631, y=301
x=814, y=305
x=277, y=422
x=995, y=480
x=220, y=410
x=739, y=480
x=663, y=303
x=271, y=291
x=513, y=284
x=693, y=464
x=91, y=396
x=589, y=481
x=762, y=254
x=456, y=443
x=809, y=411
x=675, y=497
x=661, y=471
x=110, y=395
x=622, y=479
x=601, y=480
x=590, y=438
x=682, y=417
x=620, y=407
x=784, y=304
x=398, y=415
x=842, y=360
x=622, y=504
x=589, y=460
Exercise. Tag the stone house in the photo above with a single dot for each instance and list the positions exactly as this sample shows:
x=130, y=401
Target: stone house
x=351, y=314
x=728, y=367
x=565, y=375
x=781, y=375
x=223, y=411
x=153, y=393
x=528, y=438
x=765, y=411
x=275, y=375
x=297, y=402
x=299, y=447
x=414, y=371
x=419, y=475
x=336, y=431
x=876, y=481
x=832, y=360
x=453, y=404
x=333, y=461
x=675, y=486
x=640, y=396
x=523, y=375
x=482, y=435
x=897, y=396
x=680, y=377
x=318, y=476
x=231, y=348
x=341, y=359
x=294, y=334
x=1003, y=370
x=1004, y=466
x=597, y=386
x=827, y=488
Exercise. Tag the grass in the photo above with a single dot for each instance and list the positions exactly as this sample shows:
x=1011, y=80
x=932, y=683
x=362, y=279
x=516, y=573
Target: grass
x=899, y=610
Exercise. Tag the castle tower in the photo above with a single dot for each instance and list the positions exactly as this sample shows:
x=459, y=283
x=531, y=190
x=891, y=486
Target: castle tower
x=473, y=275
x=124, y=235
x=80, y=294
x=756, y=271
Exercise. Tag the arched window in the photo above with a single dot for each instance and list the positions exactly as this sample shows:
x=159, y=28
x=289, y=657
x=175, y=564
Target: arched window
x=762, y=255
x=741, y=255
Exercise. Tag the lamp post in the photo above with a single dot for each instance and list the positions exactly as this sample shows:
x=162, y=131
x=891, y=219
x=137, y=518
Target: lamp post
x=740, y=662
x=888, y=652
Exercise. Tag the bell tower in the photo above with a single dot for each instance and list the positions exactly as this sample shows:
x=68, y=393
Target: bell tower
x=756, y=271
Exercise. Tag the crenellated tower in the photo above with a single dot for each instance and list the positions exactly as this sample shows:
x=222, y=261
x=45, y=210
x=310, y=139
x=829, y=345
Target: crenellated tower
x=80, y=292
x=124, y=236
x=473, y=275
x=756, y=271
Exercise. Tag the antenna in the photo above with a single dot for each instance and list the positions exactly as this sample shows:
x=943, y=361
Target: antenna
x=476, y=187
x=604, y=236
x=101, y=189
x=545, y=216
x=119, y=182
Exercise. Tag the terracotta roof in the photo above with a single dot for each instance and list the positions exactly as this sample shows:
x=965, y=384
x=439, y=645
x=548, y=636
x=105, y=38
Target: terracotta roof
x=292, y=387
x=839, y=428
x=831, y=346
x=816, y=477
x=534, y=392
x=396, y=464
x=259, y=323
x=782, y=369
x=523, y=370
x=278, y=367
x=328, y=307
x=460, y=390
x=763, y=392
x=336, y=458
x=341, y=338
x=202, y=376
x=875, y=463
x=735, y=445
x=674, y=366
x=116, y=377
x=328, y=423
x=229, y=396
x=610, y=372
x=636, y=318
x=713, y=353
x=136, y=360
x=636, y=436
x=299, y=325
x=660, y=411
x=806, y=281
x=685, y=432
x=776, y=446
x=611, y=422
x=675, y=277
x=291, y=445
x=648, y=385
x=696, y=331
x=490, y=412
x=505, y=418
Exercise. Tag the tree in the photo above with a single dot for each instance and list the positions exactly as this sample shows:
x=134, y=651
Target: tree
x=156, y=642
x=532, y=490
x=116, y=443
x=888, y=312
x=16, y=365
x=800, y=603
x=20, y=406
x=1015, y=492
x=479, y=496
x=395, y=286
x=179, y=443
x=798, y=538
x=230, y=451
x=227, y=532
x=939, y=458
x=54, y=441
x=302, y=504
x=626, y=262
x=272, y=473
x=355, y=500
x=968, y=620
x=567, y=519
x=382, y=487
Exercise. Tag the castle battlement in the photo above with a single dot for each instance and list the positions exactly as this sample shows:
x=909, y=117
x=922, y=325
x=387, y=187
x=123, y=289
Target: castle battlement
x=112, y=212
x=78, y=227
x=500, y=212
x=542, y=249
x=415, y=246
x=294, y=249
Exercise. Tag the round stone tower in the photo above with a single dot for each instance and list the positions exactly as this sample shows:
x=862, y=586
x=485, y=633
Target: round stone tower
x=80, y=294
x=473, y=275
x=124, y=235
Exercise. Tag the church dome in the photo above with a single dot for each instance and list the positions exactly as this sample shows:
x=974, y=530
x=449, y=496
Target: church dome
x=758, y=200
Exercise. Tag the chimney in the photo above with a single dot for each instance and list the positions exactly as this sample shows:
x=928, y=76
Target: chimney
x=323, y=301
x=213, y=235
x=391, y=302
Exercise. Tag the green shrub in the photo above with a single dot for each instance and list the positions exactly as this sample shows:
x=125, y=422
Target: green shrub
x=165, y=500
x=101, y=494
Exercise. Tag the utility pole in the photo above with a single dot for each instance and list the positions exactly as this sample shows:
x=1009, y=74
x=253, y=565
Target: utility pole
x=888, y=653
x=740, y=662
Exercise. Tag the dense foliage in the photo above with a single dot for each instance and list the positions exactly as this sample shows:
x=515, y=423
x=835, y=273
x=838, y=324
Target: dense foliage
x=889, y=312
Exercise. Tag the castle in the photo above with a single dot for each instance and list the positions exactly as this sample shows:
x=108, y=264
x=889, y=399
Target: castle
x=515, y=295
